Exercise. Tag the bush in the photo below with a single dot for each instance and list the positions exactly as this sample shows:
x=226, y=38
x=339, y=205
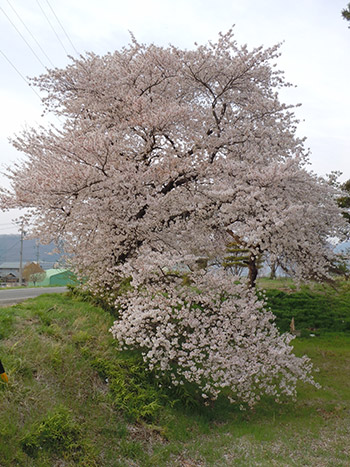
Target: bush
x=58, y=434
x=216, y=339
x=133, y=389
x=104, y=298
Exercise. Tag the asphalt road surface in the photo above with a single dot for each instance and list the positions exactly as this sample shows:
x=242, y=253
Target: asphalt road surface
x=10, y=297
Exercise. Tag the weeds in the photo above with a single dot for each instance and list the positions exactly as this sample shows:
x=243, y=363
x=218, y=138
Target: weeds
x=73, y=399
x=59, y=435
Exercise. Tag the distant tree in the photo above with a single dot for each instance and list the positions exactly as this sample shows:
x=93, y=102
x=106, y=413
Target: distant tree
x=273, y=268
x=344, y=200
x=346, y=13
x=340, y=265
x=273, y=265
x=32, y=272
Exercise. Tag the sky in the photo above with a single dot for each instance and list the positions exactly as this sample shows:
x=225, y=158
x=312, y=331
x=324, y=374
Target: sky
x=40, y=34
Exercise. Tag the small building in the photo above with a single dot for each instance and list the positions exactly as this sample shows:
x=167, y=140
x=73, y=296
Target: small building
x=10, y=279
x=59, y=277
x=9, y=272
x=9, y=268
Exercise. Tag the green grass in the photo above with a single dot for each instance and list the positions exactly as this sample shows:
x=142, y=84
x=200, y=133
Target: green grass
x=72, y=399
x=316, y=308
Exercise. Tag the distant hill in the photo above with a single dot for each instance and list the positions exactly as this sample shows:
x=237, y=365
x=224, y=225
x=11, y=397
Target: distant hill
x=10, y=251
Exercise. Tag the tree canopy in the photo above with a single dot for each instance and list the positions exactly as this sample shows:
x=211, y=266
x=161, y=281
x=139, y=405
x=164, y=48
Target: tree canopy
x=346, y=13
x=163, y=156
x=33, y=272
x=164, y=153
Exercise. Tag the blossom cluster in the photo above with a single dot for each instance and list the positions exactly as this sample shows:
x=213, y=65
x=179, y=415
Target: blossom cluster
x=214, y=333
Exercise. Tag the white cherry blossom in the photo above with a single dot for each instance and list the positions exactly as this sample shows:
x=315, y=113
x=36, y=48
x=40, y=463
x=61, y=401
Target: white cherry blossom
x=163, y=156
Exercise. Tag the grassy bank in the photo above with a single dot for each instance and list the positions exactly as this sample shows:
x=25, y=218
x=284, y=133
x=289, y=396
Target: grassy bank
x=73, y=400
x=316, y=308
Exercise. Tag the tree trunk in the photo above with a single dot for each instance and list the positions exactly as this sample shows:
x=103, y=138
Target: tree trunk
x=253, y=270
x=273, y=270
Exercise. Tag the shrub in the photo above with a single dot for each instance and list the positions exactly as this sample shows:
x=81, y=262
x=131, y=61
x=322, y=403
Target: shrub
x=59, y=434
x=214, y=333
x=132, y=388
x=103, y=298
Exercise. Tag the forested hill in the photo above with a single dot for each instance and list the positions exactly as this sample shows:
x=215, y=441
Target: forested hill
x=10, y=250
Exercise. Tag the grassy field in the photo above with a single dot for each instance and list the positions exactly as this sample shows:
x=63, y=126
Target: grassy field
x=316, y=308
x=72, y=399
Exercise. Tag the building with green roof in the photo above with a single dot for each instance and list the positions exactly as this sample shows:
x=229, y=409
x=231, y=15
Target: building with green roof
x=57, y=277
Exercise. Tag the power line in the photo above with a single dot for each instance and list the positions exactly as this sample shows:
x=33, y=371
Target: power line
x=59, y=22
x=24, y=79
x=53, y=29
x=33, y=37
x=20, y=74
x=24, y=39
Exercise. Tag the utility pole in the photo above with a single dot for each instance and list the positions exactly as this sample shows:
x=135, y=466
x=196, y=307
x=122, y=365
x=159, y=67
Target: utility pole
x=20, y=279
x=37, y=251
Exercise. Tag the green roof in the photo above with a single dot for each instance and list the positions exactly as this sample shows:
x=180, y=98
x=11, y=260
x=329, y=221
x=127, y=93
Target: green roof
x=54, y=272
x=57, y=277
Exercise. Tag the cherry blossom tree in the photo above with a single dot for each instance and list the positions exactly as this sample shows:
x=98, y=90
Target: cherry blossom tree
x=163, y=157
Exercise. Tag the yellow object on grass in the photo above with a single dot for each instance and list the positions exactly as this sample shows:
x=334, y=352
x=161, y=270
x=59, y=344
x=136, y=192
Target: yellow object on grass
x=3, y=375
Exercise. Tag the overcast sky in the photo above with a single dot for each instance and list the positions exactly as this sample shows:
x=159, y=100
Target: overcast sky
x=315, y=56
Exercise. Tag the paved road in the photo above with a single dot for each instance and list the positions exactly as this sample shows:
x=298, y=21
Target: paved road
x=10, y=297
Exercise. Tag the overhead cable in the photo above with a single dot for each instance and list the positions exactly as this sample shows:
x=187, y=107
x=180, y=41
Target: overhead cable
x=25, y=40
x=53, y=29
x=59, y=22
x=20, y=74
x=33, y=37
